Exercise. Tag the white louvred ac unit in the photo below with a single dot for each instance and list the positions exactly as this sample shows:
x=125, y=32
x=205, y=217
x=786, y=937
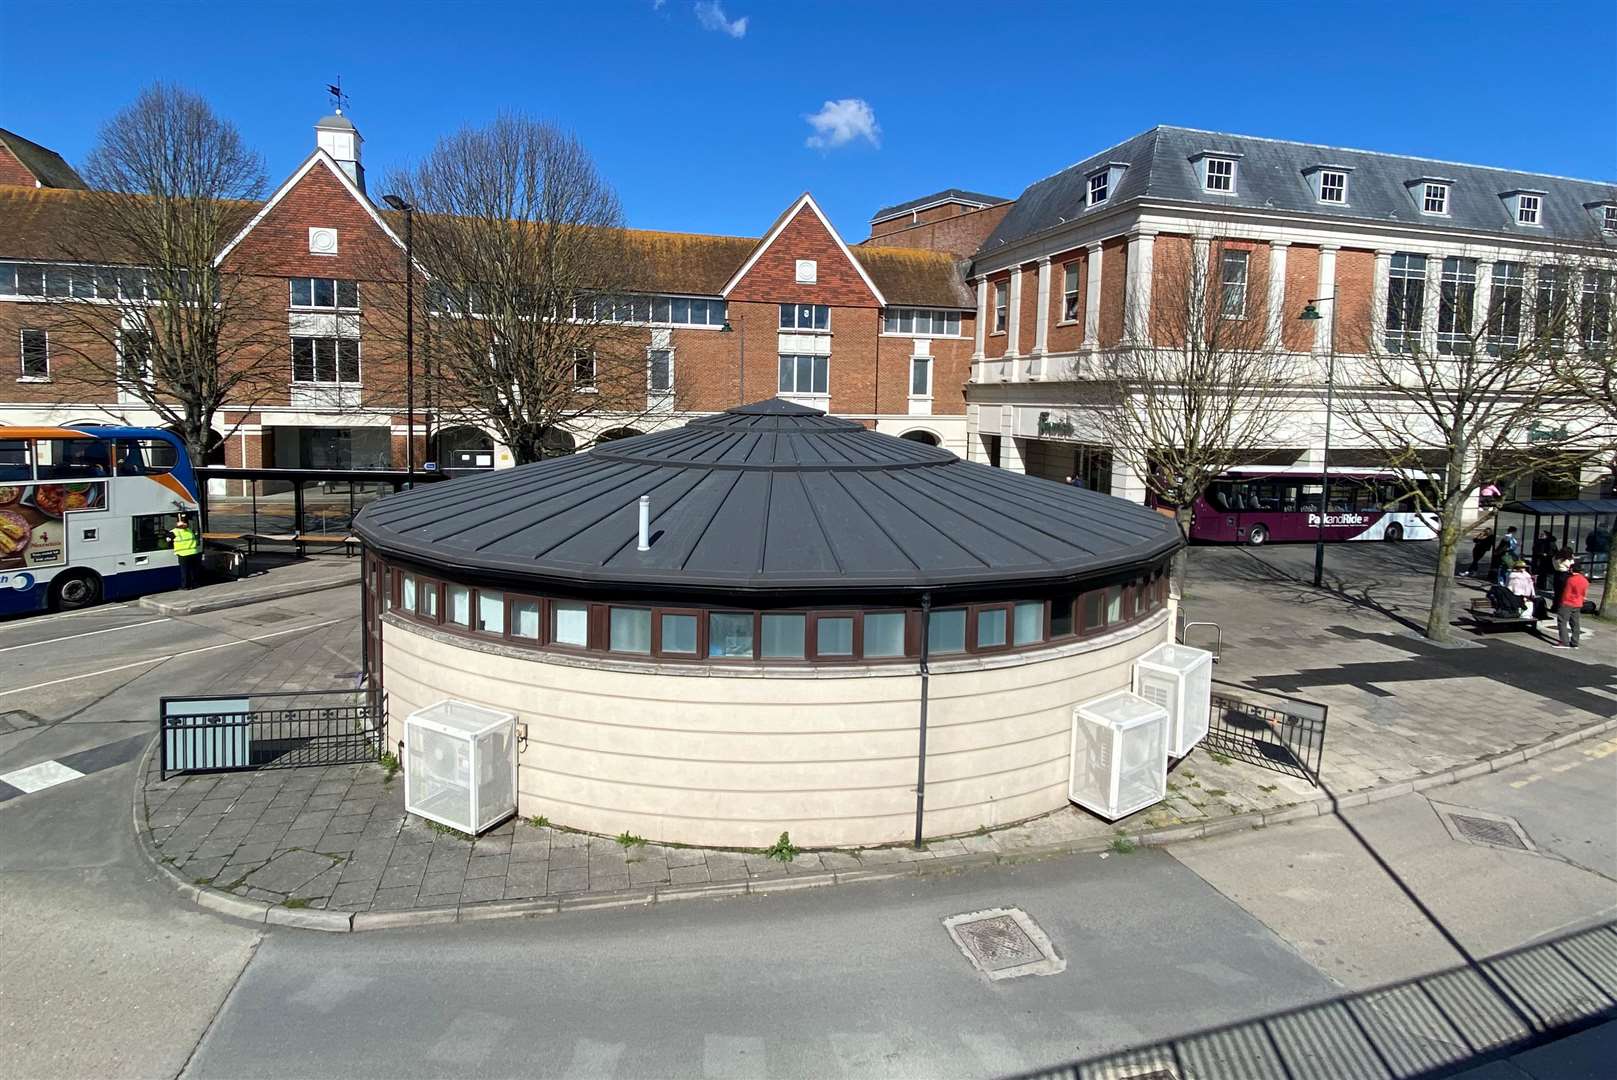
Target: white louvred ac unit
x=1119, y=755
x=460, y=765
x=1180, y=679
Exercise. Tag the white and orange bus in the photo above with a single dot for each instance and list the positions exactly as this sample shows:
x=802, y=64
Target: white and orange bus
x=85, y=514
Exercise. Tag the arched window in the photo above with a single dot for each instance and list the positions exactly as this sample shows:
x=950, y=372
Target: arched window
x=613, y=434
x=466, y=447
x=926, y=438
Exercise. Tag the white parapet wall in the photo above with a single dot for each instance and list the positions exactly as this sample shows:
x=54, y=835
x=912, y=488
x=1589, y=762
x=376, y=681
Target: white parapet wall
x=734, y=756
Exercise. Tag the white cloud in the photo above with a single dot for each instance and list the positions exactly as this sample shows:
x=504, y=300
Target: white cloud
x=711, y=15
x=839, y=123
x=657, y=5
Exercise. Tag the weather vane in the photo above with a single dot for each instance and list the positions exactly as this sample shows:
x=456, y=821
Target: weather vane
x=338, y=98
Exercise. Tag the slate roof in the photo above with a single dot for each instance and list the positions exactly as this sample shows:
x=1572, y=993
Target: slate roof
x=771, y=497
x=48, y=167
x=944, y=196
x=39, y=224
x=1270, y=175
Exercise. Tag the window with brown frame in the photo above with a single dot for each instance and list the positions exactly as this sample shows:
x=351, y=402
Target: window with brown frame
x=991, y=627
x=1063, y=622
x=885, y=635
x=569, y=624
x=835, y=635
x=525, y=618
x=678, y=633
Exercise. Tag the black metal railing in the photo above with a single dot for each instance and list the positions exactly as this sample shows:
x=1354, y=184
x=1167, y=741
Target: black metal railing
x=1272, y=731
x=287, y=730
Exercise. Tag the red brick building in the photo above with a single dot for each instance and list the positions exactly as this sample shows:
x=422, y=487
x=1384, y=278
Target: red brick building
x=881, y=334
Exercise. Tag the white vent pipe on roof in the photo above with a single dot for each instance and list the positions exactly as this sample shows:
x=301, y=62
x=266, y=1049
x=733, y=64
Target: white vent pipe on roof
x=645, y=523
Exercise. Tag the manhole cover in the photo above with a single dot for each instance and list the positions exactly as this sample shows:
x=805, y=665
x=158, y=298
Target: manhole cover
x=1004, y=943
x=1480, y=827
x=270, y=616
x=1485, y=831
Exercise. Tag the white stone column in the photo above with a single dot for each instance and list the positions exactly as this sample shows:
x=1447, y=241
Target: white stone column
x=1092, y=297
x=982, y=319
x=1428, y=319
x=1277, y=291
x=1041, y=332
x=1012, y=453
x=1326, y=287
x=1137, y=285
x=1013, y=317
x=1378, y=299
x=1128, y=478
x=1481, y=299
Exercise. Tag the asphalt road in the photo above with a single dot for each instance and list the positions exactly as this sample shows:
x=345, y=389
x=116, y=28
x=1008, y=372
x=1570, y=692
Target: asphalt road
x=104, y=972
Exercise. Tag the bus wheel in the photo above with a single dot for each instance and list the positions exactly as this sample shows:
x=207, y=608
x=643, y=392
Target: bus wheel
x=1394, y=533
x=1258, y=536
x=80, y=589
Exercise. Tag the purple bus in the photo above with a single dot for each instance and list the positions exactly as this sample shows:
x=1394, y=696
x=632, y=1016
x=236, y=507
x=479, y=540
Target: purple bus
x=1256, y=504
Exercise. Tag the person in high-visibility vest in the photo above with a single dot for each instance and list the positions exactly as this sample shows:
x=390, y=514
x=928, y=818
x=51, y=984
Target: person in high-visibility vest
x=188, y=546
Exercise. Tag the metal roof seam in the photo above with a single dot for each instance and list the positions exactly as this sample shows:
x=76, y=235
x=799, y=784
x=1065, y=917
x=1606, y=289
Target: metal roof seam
x=961, y=494
x=904, y=480
x=825, y=534
x=891, y=539
x=1070, y=516
x=734, y=480
x=526, y=525
x=574, y=484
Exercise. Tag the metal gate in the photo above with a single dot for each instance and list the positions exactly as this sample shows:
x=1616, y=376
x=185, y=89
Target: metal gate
x=1272, y=731
x=286, y=730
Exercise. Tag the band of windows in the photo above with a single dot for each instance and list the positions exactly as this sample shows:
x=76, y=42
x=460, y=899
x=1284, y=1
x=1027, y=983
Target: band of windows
x=832, y=635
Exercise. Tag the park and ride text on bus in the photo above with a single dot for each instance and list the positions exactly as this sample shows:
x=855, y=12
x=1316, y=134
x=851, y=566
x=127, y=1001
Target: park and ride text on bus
x=85, y=514
x=1257, y=504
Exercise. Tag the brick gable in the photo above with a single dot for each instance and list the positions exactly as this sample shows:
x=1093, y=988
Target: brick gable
x=278, y=245
x=13, y=172
x=773, y=277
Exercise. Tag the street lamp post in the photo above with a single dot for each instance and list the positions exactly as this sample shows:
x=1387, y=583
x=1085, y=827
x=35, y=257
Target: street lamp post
x=409, y=327
x=1311, y=314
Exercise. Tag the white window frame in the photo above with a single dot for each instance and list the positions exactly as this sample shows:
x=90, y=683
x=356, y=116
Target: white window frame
x=1098, y=181
x=580, y=386
x=1608, y=219
x=1443, y=193
x=23, y=374
x=338, y=381
x=1224, y=284
x=797, y=361
x=1457, y=301
x=1406, y=338
x=1207, y=174
x=655, y=390
x=797, y=310
x=336, y=304
x=893, y=314
x=1340, y=176
x=1002, y=307
x=1070, y=300
x=1536, y=209
x=926, y=395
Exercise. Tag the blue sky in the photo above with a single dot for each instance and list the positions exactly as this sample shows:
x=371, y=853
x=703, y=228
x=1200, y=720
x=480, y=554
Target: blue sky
x=702, y=122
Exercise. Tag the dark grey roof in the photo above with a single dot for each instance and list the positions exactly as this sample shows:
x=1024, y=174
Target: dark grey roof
x=1271, y=175
x=947, y=195
x=48, y=167
x=336, y=120
x=772, y=496
x=1556, y=507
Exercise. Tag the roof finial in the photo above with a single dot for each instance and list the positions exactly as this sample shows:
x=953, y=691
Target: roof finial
x=338, y=98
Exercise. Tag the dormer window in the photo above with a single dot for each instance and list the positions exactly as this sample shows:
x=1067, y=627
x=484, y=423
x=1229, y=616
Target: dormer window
x=1434, y=198
x=1527, y=209
x=1218, y=175
x=1329, y=183
x=1608, y=218
x=1099, y=187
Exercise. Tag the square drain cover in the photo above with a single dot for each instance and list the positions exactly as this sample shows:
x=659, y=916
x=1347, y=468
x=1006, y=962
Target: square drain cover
x=1004, y=943
x=1484, y=829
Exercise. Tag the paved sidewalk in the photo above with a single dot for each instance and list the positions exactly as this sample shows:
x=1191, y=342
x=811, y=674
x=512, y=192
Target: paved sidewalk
x=1404, y=714
x=264, y=578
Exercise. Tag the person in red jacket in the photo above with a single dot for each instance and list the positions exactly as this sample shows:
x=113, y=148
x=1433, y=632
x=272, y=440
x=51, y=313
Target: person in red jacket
x=1569, y=609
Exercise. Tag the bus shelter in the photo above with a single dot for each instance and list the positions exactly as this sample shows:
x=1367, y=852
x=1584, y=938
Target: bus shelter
x=1582, y=525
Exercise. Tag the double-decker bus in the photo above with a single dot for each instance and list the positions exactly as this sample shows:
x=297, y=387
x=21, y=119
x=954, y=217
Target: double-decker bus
x=1260, y=504
x=85, y=514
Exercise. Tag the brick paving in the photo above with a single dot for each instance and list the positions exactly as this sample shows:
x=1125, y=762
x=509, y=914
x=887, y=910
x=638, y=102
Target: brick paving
x=337, y=838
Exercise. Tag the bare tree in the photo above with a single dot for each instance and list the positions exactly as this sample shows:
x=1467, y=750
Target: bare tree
x=1483, y=392
x=522, y=243
x=142, y=306
x=1203, y=382
x=1590, y=373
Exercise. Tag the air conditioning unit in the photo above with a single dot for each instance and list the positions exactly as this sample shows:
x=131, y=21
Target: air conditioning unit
x=1119, y=755
x=1180, y=679
x=460, y=765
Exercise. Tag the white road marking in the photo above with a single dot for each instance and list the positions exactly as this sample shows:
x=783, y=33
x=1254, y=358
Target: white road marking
x=593, y=1059
x=39, y=777
x=87, y=633
x=35, y=620
x=732, y=1057
x=171, y=656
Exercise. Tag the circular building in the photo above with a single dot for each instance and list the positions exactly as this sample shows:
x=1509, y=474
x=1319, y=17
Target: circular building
x=810, y=607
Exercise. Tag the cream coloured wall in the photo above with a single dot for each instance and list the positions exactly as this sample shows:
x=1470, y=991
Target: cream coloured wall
x=732, y=757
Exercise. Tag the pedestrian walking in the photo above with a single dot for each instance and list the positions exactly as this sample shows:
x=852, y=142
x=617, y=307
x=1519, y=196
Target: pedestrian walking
x=1569, y=609
x=188, y=547
x=1506, y=553
x=1544, y=557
